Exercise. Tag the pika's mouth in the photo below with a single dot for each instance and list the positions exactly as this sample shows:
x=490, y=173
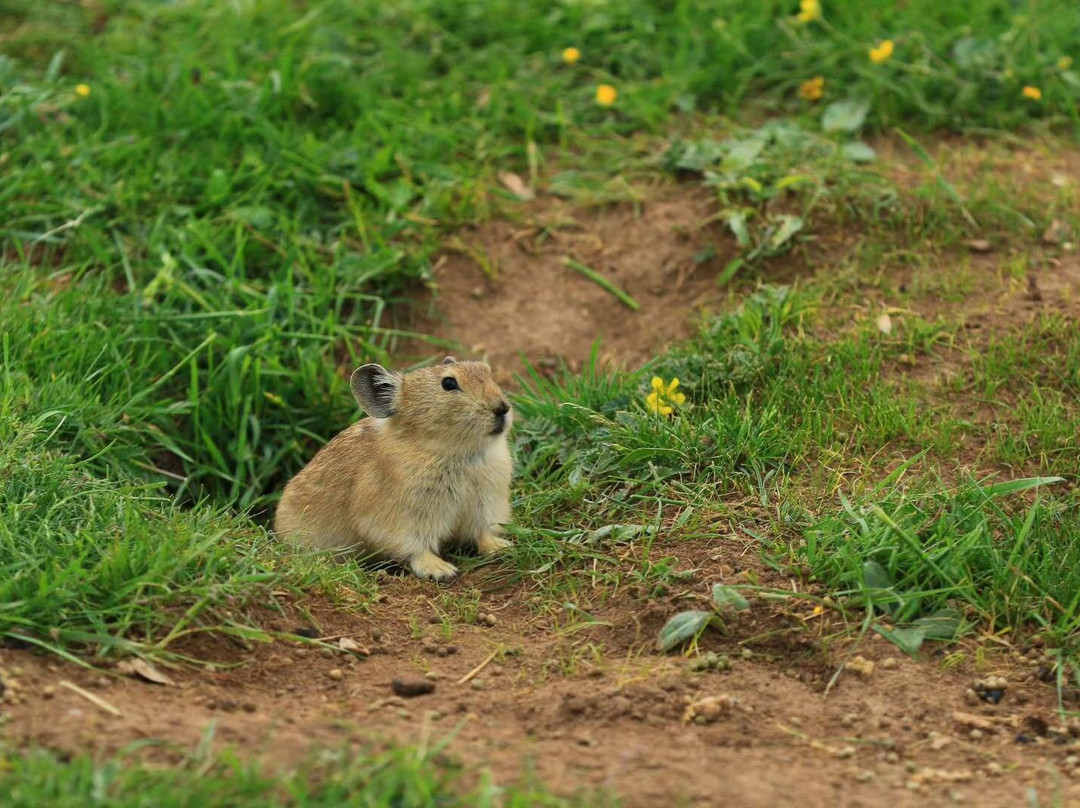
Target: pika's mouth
x=500, y=424
x=501, y=411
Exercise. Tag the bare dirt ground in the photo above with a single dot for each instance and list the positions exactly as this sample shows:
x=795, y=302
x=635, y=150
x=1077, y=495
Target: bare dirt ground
x=527, y=302
x=597, y=706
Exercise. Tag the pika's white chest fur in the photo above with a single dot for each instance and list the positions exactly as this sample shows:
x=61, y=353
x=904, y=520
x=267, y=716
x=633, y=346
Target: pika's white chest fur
x=455, y=497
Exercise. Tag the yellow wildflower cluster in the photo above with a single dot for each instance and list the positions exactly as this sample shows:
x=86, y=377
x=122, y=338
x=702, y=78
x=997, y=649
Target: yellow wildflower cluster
x=606, y=95
x=82, y=90
x=812, y=89
x=664, y=397
x=809, y=10
x=882, y=52
x=1034, y=93
x=571, y=55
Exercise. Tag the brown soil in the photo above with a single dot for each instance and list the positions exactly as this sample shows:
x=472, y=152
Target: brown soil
x=528, y=302
x=596, y=707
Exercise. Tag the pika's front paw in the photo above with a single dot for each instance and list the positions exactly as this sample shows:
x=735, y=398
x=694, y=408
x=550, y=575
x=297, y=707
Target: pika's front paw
x=489, y=543
x=430, y=566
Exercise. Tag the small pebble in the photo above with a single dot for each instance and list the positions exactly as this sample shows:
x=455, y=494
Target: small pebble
x=489, y=619
x=976, y=734
x=336, y=674
x=432, y=675
x=860, y=665
x=477, y=684
x=892, y=757
x=844, y=752
x=864, y=776
x=889, y=663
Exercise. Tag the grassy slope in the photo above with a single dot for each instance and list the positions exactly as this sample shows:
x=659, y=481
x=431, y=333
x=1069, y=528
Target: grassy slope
x=193, y=250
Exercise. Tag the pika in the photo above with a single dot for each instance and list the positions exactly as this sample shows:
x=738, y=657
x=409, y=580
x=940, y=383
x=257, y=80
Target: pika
x=431, y=464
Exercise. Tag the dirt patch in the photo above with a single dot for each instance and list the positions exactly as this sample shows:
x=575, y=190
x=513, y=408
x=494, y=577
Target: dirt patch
x=593, y=706
x=508, y=291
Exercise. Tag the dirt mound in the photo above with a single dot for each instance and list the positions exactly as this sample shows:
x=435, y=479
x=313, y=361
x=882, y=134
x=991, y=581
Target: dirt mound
x=510, y=289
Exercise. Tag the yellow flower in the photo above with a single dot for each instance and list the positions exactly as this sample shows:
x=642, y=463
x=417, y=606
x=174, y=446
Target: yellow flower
x=809, y=10
x=882, y=52
x=571, y=55
x=1034, y=93
x=82, y=90
x=1064, y=63
x=606, y=95
x=812, y=89
x=664, y=398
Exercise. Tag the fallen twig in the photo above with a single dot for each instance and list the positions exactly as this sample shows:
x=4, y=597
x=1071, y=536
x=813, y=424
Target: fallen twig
x=468, y=677
x=86, y=694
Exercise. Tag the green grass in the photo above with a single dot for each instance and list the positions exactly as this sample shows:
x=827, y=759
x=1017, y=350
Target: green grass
x=194, y=254
x=405, y=778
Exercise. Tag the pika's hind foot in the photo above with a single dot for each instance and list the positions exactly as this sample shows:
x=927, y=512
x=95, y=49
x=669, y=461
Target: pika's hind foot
x=430, y=566
x=489, y=543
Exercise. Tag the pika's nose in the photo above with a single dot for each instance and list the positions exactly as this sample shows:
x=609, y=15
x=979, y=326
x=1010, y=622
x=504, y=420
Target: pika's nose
x=501, y=409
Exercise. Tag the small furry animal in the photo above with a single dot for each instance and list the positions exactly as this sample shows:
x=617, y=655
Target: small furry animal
x=431, y=464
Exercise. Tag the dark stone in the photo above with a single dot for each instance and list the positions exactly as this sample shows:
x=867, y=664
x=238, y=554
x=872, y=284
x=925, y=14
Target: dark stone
x=409, y=688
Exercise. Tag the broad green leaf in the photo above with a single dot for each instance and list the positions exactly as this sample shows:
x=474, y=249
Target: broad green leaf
x=858, y=152
x=752, y=184
x=942, y=625
x=908, y=640
x=792, y=180
x=741, y=154
x=737, y=222
x=875, y=576
x=728, y=598
x=682, y=627
x=789, y=226
x=970, y=53
x=614, y=534
x=259, y=217
x=845, y=116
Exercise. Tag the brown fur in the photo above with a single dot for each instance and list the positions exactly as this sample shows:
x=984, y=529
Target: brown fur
x=430, y=466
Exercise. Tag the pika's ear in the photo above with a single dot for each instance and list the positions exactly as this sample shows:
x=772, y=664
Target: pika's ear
x=449, y=360
x=376, y=390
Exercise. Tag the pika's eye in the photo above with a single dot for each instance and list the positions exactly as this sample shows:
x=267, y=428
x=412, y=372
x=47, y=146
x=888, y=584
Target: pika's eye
x=449, y=383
